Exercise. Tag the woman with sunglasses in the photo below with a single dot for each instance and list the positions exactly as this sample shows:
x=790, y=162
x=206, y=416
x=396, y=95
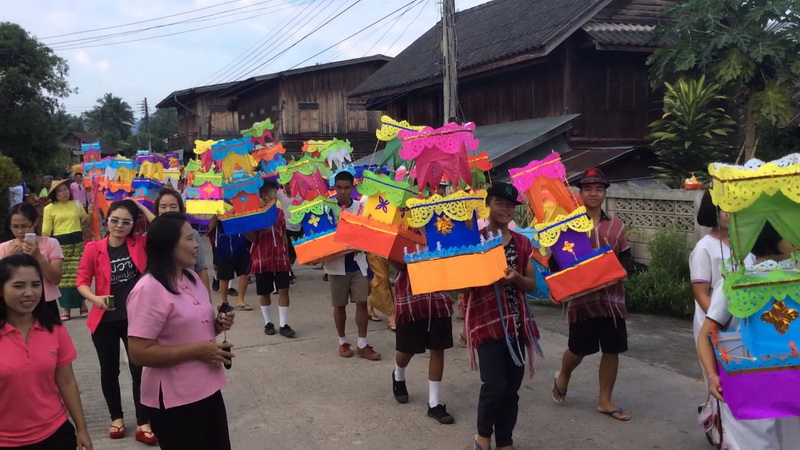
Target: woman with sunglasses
x=115, y=265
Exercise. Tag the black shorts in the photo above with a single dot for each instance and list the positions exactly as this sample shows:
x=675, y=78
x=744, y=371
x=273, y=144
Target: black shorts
x=598, y=333
x=228, y=270
x=413, y=338
x=266, y=282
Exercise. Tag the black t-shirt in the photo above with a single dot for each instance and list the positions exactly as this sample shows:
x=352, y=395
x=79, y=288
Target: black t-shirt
x=124, y=276
x=508, y=288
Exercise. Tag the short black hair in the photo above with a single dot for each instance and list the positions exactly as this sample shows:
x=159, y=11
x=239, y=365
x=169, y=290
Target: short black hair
x=128, y=205
x=268, y=185
x=344, y=176
x=163, y=236
x=41, y=312
x=767, y=242
x=24, y=209
x=172, y=192
x=707, y=215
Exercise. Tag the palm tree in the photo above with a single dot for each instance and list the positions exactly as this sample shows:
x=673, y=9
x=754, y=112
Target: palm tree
x=109, y=119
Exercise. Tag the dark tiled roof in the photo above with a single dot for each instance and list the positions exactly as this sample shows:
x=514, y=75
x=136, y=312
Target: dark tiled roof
x=620, y=33
x=85, y=138
x=496, y=30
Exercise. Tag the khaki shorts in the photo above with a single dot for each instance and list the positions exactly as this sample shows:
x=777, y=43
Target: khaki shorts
x=353, y=287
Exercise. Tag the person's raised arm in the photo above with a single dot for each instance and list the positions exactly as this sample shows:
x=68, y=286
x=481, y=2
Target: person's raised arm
x=145, y=210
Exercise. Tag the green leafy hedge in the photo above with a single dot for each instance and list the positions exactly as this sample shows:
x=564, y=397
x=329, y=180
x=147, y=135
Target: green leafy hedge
x=666, y=286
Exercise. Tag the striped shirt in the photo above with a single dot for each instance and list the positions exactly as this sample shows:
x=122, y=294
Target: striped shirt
x=609, y=301
x=412, y=308
x=270, y=251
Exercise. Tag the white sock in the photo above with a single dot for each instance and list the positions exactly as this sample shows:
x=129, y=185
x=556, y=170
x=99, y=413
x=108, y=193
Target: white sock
x=433, y=393
x=343, y=340
x=362, y=342
x=283, y=313
x=266, y=313
x=399, y=373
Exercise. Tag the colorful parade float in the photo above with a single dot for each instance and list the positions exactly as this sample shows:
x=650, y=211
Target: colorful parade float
x=759, y=365
x=381, y=227
x=455, y=255
x=563, y=228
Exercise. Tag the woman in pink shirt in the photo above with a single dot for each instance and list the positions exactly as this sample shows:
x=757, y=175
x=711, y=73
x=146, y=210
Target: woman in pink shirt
x=172, y=329
x=37, y=385
x=46, y=250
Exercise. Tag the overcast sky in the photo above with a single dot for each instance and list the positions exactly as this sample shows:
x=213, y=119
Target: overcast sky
x=153, y=68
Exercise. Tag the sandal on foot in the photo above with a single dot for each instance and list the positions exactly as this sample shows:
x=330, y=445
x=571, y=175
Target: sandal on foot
x=617, y=414
x=116, y=432
x=64, y=317
x=462, y=340
x=375, y=318
x=556, y=394
x=478, y=446
x=244, y=307
x=146, y=437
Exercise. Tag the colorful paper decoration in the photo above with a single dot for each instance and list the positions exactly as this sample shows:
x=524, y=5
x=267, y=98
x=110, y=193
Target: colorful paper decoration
x=457, y=256
x=381, y=228
x=758, y=365
x=334, y=152
x=203, y=149
x=319, y=218
x=563, y=227
x=259, y=132
x=305, y=177
x=439, y=152
x=91, y=152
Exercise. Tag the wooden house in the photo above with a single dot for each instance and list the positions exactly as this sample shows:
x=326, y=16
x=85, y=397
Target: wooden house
x=311, y=103
x=202, y=114
x=72, y=141
x=568, y=69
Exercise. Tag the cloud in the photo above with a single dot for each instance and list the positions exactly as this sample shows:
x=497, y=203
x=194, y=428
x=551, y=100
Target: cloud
x=82, y=58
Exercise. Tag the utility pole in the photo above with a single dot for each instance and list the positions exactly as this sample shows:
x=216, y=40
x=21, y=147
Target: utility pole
x=450, y=75
x=147, y=124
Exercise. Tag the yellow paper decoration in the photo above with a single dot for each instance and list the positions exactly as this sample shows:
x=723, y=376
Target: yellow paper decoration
x=234, y=161
x=124, y=175
x=577, y=220
x=390, y=127
x=153, y=170
x=458, y=206
x=201, y=147
x=737, y=187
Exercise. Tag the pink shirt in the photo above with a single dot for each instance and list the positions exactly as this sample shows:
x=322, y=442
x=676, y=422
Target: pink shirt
x=30, y=405
x=50, y=249
x=169, y=319
x=79, y=194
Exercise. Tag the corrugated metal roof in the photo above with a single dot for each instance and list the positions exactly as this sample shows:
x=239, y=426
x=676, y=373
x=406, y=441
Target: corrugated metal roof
x=490, y=32
x=607, y=33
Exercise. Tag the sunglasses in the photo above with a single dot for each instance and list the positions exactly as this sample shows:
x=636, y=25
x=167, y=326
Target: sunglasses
x=118, y=221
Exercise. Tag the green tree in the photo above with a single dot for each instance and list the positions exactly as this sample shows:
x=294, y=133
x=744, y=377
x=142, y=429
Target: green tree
x=66, y=122
x=750, y=47
x=32, y=80
x=163, y=125
x=693, y=130
x=110, y=120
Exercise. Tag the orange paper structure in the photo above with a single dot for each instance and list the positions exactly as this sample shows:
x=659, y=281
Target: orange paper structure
x=377, y=237
x=318, y=249
x=464, y=271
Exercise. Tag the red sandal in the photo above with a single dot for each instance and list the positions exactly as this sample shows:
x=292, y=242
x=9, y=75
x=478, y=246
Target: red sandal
x=116, y=432
x=146, y=437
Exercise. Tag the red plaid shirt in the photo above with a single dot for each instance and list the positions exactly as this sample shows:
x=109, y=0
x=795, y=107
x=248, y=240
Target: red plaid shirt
x=483, y=313
x=412, y=308
x=270, y=252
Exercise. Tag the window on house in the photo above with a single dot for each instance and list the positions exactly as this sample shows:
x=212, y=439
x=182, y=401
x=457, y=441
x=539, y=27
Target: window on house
x=356, y=117
x=620, y=88
x=309, y=117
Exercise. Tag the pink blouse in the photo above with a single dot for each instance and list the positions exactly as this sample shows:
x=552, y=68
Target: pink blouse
x=169, y=319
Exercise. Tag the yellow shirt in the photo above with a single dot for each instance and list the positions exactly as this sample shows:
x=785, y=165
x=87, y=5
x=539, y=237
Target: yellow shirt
x=62, y=218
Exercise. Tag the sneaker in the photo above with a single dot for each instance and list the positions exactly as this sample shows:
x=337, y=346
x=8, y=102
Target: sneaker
x=215, y=285
x=345, y=351
x=269, y=329
x=287, y=331
x=439, y=412
x=368, y=353
x=232, y=291
x=399, y=390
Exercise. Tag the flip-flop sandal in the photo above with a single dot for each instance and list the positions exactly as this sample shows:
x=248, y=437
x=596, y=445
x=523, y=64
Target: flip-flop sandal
x=617, y=411
x=375, y=318
x=462, y=340
x=116, y=432
x=64, y=318
x=478, y=446
x=84, y=313
x=244, y=308
x=555, y=394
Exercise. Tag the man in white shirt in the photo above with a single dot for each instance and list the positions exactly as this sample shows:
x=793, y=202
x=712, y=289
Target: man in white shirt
x=347, y=276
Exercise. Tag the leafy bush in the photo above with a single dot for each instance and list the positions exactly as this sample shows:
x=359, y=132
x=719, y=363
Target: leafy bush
x=666, y=287
x=9, y=176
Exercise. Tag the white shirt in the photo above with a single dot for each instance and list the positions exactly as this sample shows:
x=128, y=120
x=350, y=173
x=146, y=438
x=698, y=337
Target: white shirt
x=15, y=195
x=705, y=266
x=285, y=202
x=336, y=265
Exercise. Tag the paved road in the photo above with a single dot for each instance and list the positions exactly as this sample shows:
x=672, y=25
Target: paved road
x=299, y=394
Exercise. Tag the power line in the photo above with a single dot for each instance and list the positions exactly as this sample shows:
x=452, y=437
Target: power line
x=357, y=32
x=236, y=67
x=204, y=18
x=388, y=29
x=253, y=67
x=140, y=21
x=245, y=53
x=409, y=25
x=79, y=46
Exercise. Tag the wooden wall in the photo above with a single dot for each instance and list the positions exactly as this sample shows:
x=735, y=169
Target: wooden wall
x=259, y=103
